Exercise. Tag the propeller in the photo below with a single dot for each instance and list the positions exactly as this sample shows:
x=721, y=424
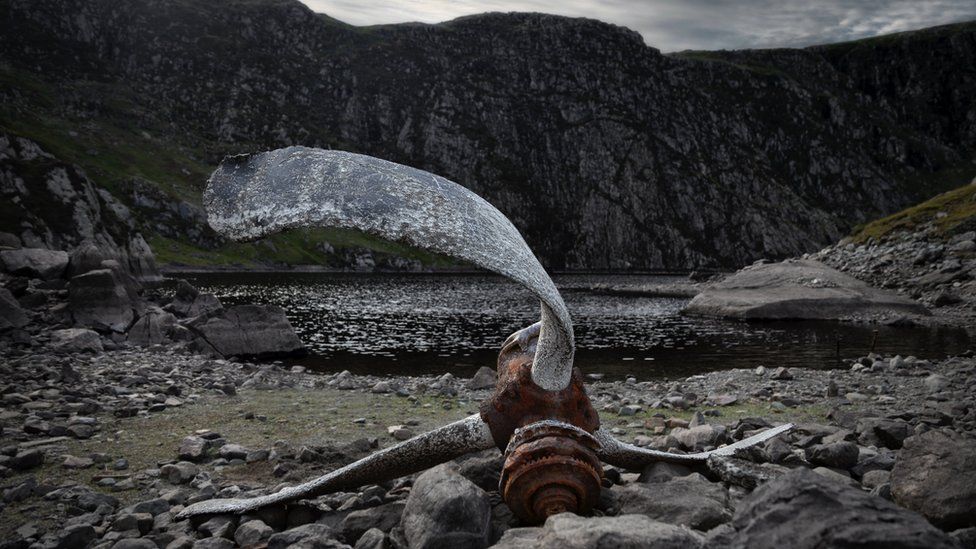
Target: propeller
x=539, y=414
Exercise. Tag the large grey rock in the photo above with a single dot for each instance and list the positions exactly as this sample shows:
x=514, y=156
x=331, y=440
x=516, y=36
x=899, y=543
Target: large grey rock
x=98, y=299
x=307, y=536
x=11, y=315
x=76, y=340
x=252, y=533
x=690, y=501
x=446, y=510
x=250, y=330
x=383, y=517
x=803, y=510
x=154, y=327
x=189, y=302
x=34, y=262
x=484, y=378
x=935, y=474
x=568, y=531
x=796, y=289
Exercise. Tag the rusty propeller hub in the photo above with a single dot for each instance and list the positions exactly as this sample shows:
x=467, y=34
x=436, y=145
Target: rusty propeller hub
x=551, y=463
x=550, y=467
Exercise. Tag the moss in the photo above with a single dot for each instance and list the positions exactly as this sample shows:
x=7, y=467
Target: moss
x=950, y=211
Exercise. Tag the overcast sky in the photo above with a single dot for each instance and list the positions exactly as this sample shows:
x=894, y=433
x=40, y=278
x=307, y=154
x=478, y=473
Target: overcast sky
x=673, y=25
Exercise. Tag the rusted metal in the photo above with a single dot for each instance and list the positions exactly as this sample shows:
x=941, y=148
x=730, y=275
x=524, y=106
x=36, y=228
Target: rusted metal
x=539, y=413
x=518, y=401
x=551, y=468
x=551, y=463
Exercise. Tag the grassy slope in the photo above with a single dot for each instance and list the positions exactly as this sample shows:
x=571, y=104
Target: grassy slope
x=952, y=212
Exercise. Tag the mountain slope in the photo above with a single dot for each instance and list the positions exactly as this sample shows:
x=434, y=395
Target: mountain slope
x=605, y=153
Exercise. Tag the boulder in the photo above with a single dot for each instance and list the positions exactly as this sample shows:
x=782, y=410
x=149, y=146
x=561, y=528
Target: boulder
x=445, y=509
x=568, y=531
x=98, y=299
x=307, y=536
x=484, y=378
x=804, y=510
x=76, y=340
x=690, y=501
x=155, y=327
x=796, y=289
x=252, y=533
x=11, y=315
x=935, y=475
x=188, y=302
x=383, y=517
x=34, y=262
x=250, y=331
x=839, y=455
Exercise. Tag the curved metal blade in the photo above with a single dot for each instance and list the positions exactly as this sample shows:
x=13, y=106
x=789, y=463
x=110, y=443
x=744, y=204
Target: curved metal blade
x=252, y=196
x=416, y=454
x=633, y=457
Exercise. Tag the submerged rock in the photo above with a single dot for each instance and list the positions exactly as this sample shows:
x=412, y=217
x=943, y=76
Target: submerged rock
x=796, y=289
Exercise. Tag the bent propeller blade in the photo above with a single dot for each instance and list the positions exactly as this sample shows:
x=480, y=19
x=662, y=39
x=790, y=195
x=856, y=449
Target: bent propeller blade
x=252, y=196
x=410, y=456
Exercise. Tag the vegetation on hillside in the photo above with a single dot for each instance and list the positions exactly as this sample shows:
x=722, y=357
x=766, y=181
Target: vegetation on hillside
x=951, y=213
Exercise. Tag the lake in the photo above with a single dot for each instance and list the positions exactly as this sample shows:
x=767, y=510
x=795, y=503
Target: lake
x=386, y=324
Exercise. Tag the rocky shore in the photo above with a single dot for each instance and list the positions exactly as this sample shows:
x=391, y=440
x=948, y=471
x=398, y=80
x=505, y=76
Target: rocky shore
x=103, y=449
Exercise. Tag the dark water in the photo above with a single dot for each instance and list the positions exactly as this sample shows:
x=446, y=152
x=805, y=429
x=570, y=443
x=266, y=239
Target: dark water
x=406, y=323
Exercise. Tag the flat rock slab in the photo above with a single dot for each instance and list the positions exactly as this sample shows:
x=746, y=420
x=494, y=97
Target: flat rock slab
x=797, y=289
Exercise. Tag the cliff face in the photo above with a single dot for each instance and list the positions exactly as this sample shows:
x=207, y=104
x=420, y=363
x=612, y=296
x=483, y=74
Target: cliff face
x=603, y=151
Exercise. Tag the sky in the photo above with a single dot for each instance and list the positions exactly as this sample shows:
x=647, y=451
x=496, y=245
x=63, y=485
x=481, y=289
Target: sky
x=675, y=25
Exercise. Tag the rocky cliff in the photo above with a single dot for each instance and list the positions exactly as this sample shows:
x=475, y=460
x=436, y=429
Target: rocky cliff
x=603, y=151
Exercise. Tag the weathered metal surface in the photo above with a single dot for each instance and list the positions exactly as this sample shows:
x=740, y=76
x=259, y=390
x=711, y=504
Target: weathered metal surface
x=252, y=196
x=410, y=456
x=519, y=401
x=629, y=456
x=550, y=468
x=539, y=413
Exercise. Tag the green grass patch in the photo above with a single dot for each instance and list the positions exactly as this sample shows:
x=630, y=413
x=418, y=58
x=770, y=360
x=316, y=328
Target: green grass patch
x=951, y=212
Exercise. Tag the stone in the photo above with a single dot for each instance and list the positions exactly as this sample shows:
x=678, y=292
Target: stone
x=154, y=327
x=484, y=378
x=34, y=262
x=796, y=289
x=72, y=462
x=384, y=517
x=936, y=383
x=568, y=531
x=744, y=473
x=143, y=522
x=134, y=543
x=189, y=302
x=935, y=475
x=193, y=448
x=76, y=340
x=882, y=432
x=483, y=469
x=78, y=535
x=690, y=501
x=251, y=331
x=213, y=543
x=11, y=315
x=154, y=507
x=700, y=437
x=374, y=538
x=445, y=508
x=26, y=459
x=233, y=451
x=381, y=387
x=663, y=471
x=220, y=526
x=840, y=455
x=308, y=536
x=252, y=532
x=180, y=472
x=99, y=300
x=803, y=510
x=781, y=374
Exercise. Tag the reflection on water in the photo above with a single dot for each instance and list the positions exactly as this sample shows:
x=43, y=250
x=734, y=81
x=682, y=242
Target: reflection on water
x=409, y=323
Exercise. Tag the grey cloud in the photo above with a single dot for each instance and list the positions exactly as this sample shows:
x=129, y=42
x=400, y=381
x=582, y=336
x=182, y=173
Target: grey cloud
x=673, y=25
